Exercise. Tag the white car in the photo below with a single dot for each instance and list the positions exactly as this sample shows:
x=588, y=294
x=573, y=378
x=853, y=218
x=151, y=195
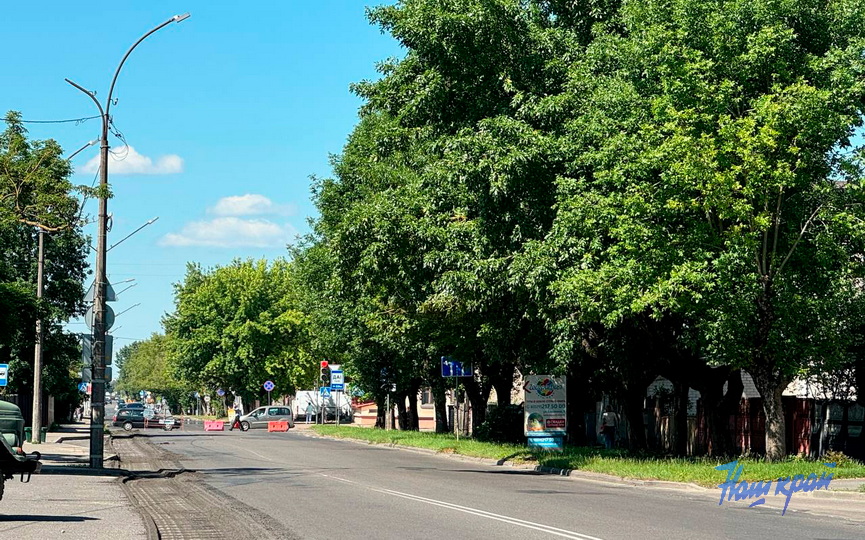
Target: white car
x=262, y=415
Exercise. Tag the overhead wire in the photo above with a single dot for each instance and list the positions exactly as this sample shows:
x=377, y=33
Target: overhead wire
x=70, y=120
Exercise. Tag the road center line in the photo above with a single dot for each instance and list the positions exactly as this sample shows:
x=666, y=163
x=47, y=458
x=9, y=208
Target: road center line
x=475, y=512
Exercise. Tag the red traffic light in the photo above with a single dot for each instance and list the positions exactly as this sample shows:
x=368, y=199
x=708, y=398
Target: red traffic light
x=323, y=364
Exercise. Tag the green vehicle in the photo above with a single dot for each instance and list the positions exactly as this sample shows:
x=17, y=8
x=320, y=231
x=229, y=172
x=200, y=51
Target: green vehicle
x=13, y=460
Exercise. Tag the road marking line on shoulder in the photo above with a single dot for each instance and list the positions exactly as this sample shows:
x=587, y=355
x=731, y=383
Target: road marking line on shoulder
x=474, y=511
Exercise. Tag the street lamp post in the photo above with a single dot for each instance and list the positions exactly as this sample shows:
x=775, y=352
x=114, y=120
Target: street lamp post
x=97, y=410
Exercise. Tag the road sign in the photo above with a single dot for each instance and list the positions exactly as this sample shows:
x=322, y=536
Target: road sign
x=325, y=391
x=337, y=380
x=4, y=374
x=197, y=395
x=142, y=393
x=87, y=349
x=268, y=385
x=82, y=387
x=87, y=374
x=109, y=317
x=220, y=392
x=110, y=295
x=455, y=368
x=207, y=399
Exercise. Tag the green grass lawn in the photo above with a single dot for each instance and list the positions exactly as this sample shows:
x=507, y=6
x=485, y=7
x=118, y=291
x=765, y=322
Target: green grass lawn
x=699, y=470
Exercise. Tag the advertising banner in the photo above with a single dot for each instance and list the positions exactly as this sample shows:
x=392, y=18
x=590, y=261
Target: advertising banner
x=546, y=407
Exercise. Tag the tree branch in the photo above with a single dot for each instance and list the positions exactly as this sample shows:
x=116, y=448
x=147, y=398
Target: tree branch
x=798, y=238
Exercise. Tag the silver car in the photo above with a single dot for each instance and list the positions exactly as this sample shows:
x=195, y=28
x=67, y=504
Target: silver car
x=262, y=415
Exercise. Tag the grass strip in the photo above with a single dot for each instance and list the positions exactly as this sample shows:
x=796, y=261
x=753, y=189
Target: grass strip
x=699, y=470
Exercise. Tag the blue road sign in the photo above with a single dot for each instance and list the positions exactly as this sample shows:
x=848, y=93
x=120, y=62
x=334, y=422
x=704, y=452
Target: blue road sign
x=337, y=380
x=455, y=368
x=268, y=385
x=325, y=391
x=220, y=392
x=82, y=387
x=4, y=374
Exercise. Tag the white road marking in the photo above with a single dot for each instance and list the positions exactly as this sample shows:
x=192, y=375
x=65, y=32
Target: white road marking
x=475, y=512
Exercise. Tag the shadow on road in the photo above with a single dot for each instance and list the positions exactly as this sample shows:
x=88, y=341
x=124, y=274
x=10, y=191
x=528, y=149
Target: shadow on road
x=44, y=518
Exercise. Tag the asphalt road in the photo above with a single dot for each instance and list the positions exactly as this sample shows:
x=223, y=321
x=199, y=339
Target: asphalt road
x=320, y=488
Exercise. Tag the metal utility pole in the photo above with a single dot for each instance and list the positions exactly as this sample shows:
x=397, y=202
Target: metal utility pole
x=37, y=362
x=97, y=407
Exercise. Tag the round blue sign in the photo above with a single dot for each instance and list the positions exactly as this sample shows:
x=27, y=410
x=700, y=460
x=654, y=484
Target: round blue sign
x=220, y=392
x=268, y=385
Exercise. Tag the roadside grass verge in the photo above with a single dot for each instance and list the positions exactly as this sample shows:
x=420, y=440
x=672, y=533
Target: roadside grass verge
x=699, y=470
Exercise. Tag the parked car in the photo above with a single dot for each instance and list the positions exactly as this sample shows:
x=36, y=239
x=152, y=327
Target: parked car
x=262, y=415
x=128, y=418
x=138, y=418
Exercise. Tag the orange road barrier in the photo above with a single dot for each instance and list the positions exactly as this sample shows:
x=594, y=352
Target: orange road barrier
x=214, y=425
x=277, y=426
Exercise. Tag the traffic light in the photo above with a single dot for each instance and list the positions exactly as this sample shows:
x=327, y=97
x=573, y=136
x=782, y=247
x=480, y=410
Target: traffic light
x=325, y=373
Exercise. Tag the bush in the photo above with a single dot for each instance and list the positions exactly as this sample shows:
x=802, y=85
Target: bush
x=503, y=424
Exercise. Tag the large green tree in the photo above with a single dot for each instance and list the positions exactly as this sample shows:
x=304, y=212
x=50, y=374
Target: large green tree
x=36, y=194
x=712, y=178
x=237, y=326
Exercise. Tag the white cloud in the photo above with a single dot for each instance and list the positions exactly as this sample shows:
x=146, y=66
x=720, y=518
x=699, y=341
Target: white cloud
x=250, y=204
x=231, y=232
x=125, y=160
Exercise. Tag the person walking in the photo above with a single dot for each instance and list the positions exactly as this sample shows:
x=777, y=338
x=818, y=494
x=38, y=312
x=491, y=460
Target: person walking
x=609, y=421
x=309, y=410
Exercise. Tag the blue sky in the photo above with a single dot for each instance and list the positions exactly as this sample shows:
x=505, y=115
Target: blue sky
x=227, y=114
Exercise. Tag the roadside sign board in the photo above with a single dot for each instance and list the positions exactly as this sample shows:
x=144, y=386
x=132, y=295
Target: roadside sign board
x=268, y=385
x=337, y=380
x=546, y=406
x=87, y=349
x=220, y=392
x=325, y=391
x=82, y=387
x=455, y=368
x=4, y=374
x=87, y=374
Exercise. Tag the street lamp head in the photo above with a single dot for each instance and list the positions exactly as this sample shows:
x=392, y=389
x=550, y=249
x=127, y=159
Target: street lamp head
x=178, y=18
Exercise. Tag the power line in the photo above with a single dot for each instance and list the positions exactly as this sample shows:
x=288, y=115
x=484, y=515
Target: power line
x=76, y=120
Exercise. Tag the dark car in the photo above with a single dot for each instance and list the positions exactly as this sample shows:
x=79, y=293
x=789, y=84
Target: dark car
x=139, y=418
x=129, y=418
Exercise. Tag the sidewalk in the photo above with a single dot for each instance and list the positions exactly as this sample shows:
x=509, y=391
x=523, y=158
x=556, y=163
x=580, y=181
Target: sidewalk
x=68, y=498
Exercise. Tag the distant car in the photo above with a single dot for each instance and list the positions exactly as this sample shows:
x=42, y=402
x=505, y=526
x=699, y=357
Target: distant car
x=133, y=405
x=262, y=415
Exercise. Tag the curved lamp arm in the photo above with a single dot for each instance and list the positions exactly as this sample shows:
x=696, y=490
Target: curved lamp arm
x=176, y=18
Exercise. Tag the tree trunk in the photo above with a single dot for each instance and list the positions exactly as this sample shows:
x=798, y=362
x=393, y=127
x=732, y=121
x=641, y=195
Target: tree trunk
x=440, y=400
x=412, y=412
x=634, y=413
x=503, y=384
x=718, y=406
x=477, y=400
x=843, y=439
x=770, y=388
x=401, y=412
x=381, y=406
